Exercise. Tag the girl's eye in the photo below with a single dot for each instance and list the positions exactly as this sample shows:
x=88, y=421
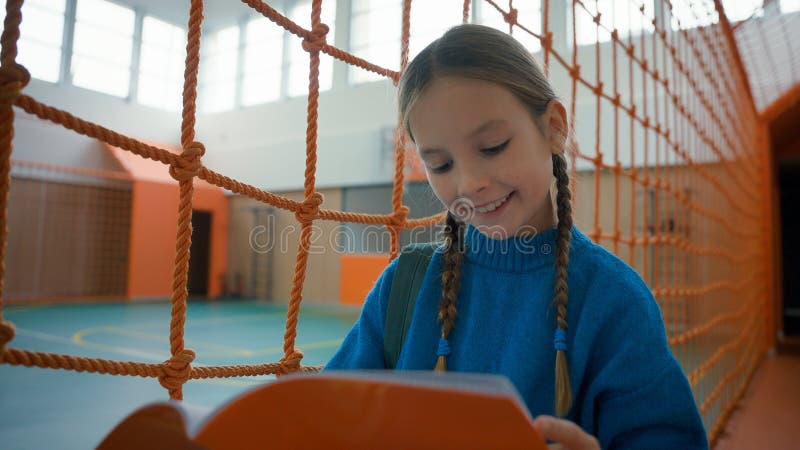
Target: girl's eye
x=496, y=149
x=443, y=168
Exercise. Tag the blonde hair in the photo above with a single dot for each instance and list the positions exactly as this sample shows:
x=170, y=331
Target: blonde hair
x=483, y=53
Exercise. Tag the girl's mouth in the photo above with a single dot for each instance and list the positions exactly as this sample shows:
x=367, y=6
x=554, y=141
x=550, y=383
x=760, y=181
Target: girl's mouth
x=495, y=207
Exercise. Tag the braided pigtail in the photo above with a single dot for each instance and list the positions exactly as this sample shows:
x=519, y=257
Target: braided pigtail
x=451, y=283
x=563, y=392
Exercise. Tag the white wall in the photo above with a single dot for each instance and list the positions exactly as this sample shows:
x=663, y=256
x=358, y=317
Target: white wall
x=264, y=145
x=43, y=141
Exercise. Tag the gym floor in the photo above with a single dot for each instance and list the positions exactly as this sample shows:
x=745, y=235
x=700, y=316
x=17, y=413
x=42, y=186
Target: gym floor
x=44, y=408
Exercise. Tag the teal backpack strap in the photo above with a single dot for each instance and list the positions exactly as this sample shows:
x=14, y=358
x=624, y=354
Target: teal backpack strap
x=406, y=283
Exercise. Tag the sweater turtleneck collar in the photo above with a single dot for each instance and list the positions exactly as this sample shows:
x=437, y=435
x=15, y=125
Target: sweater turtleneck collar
x=516, y=253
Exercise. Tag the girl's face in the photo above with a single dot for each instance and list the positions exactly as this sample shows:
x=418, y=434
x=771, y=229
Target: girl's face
x=485, y=158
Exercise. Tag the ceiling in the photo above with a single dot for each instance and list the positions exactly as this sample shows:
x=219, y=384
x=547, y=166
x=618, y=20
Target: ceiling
x=769, y=50
x=768, y=47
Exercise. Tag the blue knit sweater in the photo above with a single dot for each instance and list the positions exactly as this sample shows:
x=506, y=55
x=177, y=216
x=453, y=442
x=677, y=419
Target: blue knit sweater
x=628, y=389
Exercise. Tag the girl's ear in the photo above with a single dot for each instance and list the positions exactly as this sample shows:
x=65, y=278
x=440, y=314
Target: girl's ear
x=555, y=121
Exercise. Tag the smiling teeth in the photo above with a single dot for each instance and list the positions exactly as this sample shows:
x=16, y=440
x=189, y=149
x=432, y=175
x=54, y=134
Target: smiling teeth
x=491, y=206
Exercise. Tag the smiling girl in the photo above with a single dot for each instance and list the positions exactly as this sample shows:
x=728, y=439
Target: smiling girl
x=516, y=289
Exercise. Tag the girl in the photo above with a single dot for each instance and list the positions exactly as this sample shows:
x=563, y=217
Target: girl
x=498, y=297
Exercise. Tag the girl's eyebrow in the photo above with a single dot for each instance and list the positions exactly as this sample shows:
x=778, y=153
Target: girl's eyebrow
x=429, y=151
x=485, y=126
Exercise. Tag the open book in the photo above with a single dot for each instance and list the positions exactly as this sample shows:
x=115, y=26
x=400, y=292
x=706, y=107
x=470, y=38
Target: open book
x=344, y=410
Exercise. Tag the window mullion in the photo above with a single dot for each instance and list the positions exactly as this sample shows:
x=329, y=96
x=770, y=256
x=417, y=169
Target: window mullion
x=136, y=52
x=343, y=23
x=286, y=59
x=65, y=74
x=238, y=79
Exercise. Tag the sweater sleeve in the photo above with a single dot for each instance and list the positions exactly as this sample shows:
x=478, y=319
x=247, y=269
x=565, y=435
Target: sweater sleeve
x=637, y=395
x=658, y=415
x=363, y=346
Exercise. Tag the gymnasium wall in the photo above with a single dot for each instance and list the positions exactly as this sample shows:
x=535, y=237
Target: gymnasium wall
x=263, y=246
x=66, y=240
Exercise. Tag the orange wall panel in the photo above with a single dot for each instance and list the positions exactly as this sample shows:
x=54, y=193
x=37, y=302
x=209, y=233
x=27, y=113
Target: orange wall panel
x=152, y=247
x=154, y=224
x=358, y=275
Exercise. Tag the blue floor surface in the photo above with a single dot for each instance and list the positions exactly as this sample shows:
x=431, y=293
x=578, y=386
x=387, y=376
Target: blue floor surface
x=44, y=408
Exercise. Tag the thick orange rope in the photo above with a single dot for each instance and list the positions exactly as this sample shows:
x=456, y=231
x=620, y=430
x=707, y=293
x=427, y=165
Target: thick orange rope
x=13, y=78
x=178, y=368
x=313, y=44
x=309, y=36
x=400, y=212
x=691, y=110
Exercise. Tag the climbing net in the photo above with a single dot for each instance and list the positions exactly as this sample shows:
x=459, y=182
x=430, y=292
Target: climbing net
x=688, y=201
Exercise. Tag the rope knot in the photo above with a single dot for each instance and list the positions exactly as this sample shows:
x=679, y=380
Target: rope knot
x=290, y=363
x=598, y=160
x=309, y=209
x=177, y=370
x=399, y=217
x=511, y=16
x=547, y=40
x=316, y=39
x=13, y=79
x=575, y=71
x=7, y=332
x=188, y=164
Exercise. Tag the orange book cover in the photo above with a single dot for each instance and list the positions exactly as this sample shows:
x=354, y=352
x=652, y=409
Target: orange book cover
x=347, y=410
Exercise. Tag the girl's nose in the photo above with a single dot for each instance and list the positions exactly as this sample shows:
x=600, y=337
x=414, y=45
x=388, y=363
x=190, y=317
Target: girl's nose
x=472, y=180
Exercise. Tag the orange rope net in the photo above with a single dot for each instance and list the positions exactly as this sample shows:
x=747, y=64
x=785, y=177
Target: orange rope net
x=687, y=207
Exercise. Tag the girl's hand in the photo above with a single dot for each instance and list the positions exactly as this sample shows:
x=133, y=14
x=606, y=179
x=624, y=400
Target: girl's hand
x=567, y=435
